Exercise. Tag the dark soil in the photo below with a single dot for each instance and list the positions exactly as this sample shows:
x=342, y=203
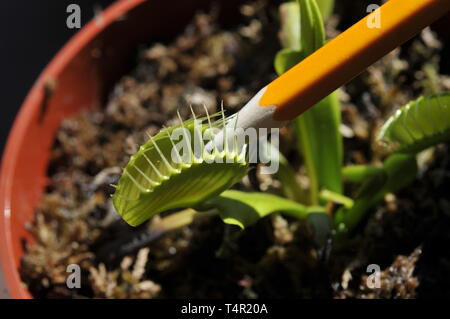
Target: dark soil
x=406, y=235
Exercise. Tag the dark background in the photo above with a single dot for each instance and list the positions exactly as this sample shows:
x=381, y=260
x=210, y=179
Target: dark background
x=31, y=33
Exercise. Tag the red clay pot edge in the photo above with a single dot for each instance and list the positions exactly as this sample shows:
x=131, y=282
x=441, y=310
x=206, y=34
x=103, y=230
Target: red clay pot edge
x=18, y=133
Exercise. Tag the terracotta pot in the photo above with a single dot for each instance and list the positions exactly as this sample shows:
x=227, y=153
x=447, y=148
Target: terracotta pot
x=78, y=77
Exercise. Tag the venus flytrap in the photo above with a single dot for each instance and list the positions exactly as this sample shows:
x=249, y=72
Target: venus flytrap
x=167, y=174
x=159, y=177
x=154, y=180
x=418, y=125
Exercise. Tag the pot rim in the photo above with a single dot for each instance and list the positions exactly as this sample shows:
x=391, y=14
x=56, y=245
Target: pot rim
x=65, y=55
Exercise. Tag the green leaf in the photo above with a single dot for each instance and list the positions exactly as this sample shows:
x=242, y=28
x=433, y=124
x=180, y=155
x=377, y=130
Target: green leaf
x=155, y=180
x=317, y=129
x=311, y=26
x=286, y=59
x=360, y=173
x=329, y=196
x=290, y=26
x=372, y=185
x=326, y=8
x=419, y=124
x=244, y=209
x=398, y=171
x=321, y=146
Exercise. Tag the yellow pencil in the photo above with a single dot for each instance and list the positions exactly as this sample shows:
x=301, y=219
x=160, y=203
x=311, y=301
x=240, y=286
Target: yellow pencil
x=338, y=62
